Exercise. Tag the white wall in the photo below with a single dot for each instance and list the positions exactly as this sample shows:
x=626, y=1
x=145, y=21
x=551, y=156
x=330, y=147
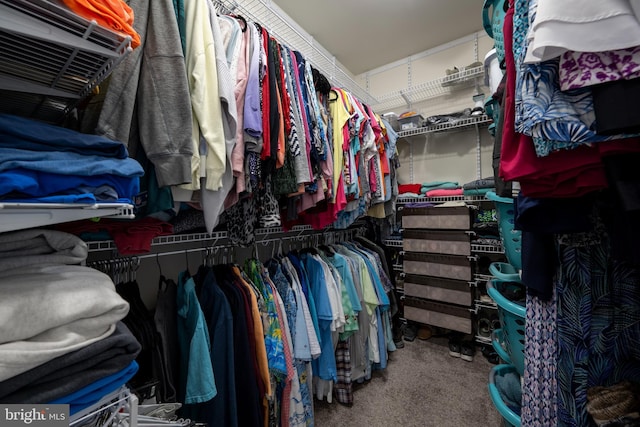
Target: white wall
x=450, y=156
x=445, y=157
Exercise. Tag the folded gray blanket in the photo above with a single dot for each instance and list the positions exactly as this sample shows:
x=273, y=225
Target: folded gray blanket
x=73, y=371
x=480, y=183
x=37, y=247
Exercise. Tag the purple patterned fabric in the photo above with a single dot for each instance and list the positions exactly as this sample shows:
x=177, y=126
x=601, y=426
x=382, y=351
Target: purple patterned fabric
x=539, y=394
x=580, y=69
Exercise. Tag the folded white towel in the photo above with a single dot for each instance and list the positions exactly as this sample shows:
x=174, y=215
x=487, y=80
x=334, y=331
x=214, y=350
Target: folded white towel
x=582, y=26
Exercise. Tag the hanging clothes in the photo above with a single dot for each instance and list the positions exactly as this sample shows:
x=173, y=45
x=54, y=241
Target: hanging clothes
x=223, y=408
x=147, y=101
x=213, y=202
x=197, y=384
x=324, y=366
x=598, y=308
x=141, y=324
x=248, y=392
x=539, y=402
x=166, y=326
x=209, y=158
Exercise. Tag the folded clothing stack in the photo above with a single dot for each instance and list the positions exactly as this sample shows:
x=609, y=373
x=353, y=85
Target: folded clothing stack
x=479, y=187
x=72, y=371
x=50, y=164
x=52, y=312
x=444, y=192
x=130, y=237
x=409, y=188
x=440, y=188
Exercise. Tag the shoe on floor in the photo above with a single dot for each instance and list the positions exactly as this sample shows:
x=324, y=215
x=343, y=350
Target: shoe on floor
x=495, y=322
x=477, y=111
x=467, y=351
x=490, y=354
x=484, y=327
x=451, y=71
x=410, y=333
x=473, y=65
x=398, y=332
x=454, y=347
x=424, y=333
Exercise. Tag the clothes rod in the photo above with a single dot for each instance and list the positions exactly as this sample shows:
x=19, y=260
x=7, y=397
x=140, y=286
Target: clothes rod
x=303, y=238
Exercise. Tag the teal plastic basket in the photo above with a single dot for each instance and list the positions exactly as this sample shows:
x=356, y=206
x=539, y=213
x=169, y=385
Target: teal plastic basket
x=504, y=271
x=511, y=419
x=511, y=238
x=512, y=319
x=497, y=341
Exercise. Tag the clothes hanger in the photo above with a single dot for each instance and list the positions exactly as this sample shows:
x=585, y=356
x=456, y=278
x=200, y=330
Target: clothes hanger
x=328, y=249
x=244, y=21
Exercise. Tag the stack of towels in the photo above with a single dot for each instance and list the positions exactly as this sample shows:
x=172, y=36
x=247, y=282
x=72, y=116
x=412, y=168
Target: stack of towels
x=440, y=189
x=479, y=187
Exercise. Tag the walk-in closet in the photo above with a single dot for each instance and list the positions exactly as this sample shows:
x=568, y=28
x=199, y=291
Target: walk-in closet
x=274, y=213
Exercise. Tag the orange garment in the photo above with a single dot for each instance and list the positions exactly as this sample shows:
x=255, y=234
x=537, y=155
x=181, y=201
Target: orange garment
x=112, y=14
x=261, y=349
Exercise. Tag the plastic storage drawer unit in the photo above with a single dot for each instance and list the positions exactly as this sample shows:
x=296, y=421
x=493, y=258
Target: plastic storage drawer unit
x=442, y=218
x=447, y=266
x=439, y=242
x=438, y=289
x=438, y=314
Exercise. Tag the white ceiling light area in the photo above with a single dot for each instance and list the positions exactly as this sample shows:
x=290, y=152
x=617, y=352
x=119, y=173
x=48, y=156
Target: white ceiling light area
x=366, y=34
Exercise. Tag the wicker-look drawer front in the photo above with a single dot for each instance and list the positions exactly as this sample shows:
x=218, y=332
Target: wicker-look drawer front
x=440, y=242
x=438, y=289
x=447, y=266
x=438, y=314
x=446, y=218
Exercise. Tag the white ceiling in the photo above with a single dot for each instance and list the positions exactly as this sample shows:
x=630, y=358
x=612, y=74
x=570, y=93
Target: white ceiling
x=366, y=34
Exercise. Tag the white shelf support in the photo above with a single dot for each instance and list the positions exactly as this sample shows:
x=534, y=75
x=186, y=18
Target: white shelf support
x=478, y=153
x=411, y=163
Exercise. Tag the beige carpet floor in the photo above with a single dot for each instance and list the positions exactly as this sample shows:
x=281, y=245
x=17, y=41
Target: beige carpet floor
x=422, y=387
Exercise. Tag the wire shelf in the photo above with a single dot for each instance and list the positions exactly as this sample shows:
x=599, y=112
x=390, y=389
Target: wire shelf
x=52, y=58
x=483, y=277
x=442, y=127
x=470, y=199
x=115, y=409
x=483, y=340
x=393, y=243
x=430, y=89
x=18, y=216
x=486, y=304
x=212, y=238
x=489, y=249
